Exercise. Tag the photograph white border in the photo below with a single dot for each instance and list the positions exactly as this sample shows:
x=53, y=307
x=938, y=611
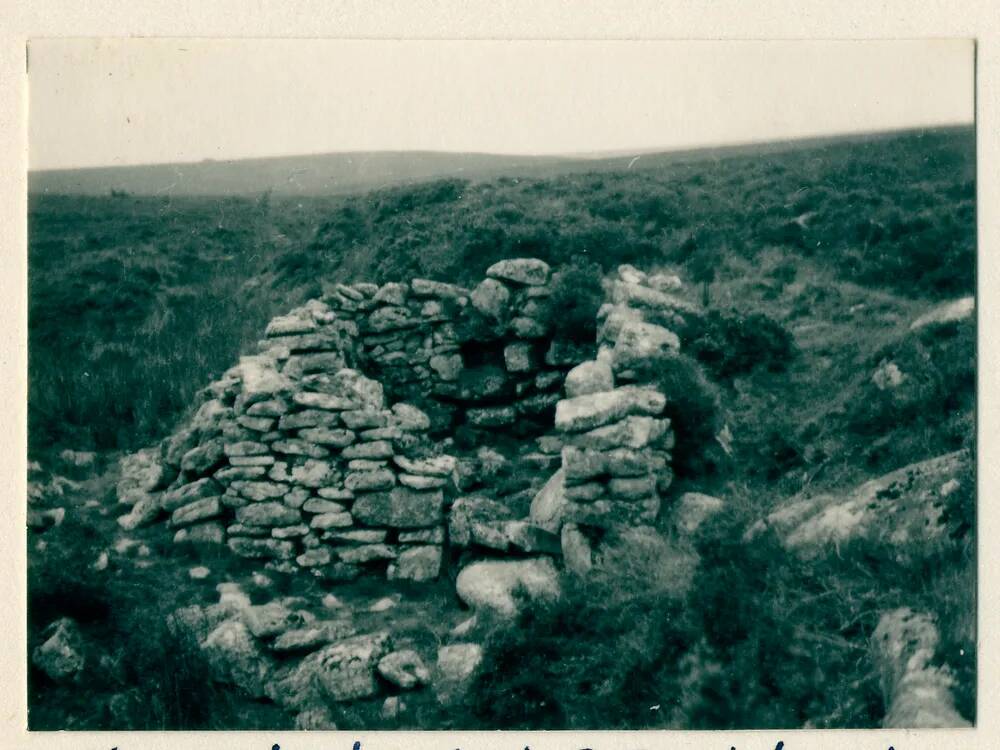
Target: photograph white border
x=482, y=19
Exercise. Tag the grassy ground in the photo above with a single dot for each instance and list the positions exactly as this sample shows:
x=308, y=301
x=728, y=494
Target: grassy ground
x=137, y=303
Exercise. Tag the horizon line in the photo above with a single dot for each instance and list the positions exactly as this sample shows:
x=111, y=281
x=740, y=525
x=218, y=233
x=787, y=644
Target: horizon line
x=561, y=155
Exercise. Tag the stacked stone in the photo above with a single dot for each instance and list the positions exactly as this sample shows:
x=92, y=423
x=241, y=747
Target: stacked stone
x=299, y=461
x=294, y=456
x=616, y=448
x=611, y=436
x=411, y=337
x=405, y=332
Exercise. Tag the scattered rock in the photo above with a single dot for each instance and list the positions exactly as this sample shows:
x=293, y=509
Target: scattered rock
x=383, y=605
x=918, y=692
x=315, y=719
x=576, y=550
x=456, y=668
x=61, y=653
x=405, y=669
x=421, y=563
x=888, y=376
x=392, y=707
x=234, y=656
x=693, y=509
x=491, y=584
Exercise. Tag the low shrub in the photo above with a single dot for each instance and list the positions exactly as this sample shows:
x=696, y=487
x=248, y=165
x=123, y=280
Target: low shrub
x=584, y=662
x=731, y=344
x=937, y=367
x=577, y=295
x=694, y=409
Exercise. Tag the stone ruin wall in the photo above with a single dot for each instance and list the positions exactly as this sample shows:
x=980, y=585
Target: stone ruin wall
x=306, y=455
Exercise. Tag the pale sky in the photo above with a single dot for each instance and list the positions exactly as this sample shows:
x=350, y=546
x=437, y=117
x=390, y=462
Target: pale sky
x=116, y=102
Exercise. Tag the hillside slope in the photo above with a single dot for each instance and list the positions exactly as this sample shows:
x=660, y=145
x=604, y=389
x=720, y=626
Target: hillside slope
x=136, y=302
x=807, y=373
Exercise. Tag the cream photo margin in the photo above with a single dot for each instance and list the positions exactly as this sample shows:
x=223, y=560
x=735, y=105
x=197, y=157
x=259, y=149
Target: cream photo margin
x=486, y=19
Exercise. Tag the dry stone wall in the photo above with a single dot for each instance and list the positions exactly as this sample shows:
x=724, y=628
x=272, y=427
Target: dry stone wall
x=319, y=453
x=614, y=442
x=482, y=357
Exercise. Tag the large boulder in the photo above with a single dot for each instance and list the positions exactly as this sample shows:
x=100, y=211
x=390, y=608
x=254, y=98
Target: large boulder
x=491, y=584
x=61, y=654
x=902, y=512
x=917, y=691
x=948, y=312
x=527, y=271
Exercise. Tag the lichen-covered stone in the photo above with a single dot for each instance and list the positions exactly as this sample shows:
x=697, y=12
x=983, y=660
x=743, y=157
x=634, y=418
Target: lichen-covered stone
x=61, y=655
x=404, y=669
x=171, y=500
x=327, y=436
x=267, y=514
x=199, y=510
x=917, y=690
x=491, y=584
x=369, y=481
x=491, y=299
x=455, y=669
x=366, y=553
x=401, y=507
x=589, y=377
x=345, y=671
x=598, y=409
x=421, y=563
x=233, y=656
x=527, y=271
